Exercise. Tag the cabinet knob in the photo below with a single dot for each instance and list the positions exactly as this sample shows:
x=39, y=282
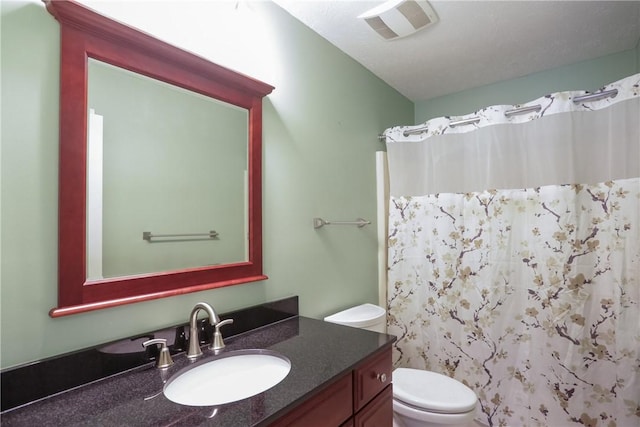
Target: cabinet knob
x=382, y=377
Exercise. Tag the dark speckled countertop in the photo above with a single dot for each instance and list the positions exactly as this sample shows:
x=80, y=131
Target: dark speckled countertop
x=318, y=351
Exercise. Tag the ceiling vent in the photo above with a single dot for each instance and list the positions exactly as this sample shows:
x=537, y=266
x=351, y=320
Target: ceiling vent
x=400, y=18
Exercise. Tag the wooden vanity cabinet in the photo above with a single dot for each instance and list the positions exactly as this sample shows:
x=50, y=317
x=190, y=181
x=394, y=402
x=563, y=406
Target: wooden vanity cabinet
x=328, y=407
x=361, y=398
x=372, y=392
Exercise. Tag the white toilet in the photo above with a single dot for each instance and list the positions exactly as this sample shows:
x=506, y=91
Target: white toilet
x=365, y=316
x=420, y=398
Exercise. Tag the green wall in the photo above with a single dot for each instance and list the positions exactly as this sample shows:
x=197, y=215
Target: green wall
x=638, y=57
x=587, y=75
x=320, y=136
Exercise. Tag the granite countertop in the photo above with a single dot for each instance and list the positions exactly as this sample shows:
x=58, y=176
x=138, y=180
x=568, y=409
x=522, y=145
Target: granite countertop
x=318, y=351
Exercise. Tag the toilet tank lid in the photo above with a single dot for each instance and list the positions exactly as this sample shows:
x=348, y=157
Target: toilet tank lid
x=360, y=316
x=432, y=391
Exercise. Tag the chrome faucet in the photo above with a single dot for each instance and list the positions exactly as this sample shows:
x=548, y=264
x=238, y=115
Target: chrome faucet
x=218, y=343
x=164, y=357
x=194, y=343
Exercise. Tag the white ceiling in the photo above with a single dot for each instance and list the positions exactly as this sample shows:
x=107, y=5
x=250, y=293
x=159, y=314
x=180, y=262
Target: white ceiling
x=475, y=42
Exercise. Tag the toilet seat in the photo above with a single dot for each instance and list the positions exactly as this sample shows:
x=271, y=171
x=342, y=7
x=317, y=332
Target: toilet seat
x=432, y=392
x=413, y=413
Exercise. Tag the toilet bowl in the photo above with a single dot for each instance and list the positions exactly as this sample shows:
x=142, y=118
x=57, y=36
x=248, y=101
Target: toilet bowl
x=420, y=398
x=428, y=399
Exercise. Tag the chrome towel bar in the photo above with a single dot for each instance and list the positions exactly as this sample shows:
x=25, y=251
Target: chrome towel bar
x=360, y=222
x=146, y=235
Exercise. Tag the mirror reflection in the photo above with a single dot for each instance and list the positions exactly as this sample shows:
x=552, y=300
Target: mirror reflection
x=164, y=161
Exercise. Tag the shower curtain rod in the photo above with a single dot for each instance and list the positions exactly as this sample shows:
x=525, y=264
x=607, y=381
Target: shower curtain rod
x=463, y=122
x=521, y=110
x=596, y=96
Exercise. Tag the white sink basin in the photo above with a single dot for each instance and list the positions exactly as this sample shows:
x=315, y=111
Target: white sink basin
x=227, y=378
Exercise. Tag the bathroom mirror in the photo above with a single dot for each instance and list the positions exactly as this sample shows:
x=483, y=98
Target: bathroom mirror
x=92, y=44
x=164, y=161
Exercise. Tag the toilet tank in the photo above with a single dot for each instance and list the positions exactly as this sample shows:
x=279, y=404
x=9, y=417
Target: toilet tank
x=364, y=316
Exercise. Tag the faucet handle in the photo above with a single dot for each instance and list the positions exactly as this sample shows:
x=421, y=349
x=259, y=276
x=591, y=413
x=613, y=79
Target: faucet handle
x=164, y=358
x=218, y=343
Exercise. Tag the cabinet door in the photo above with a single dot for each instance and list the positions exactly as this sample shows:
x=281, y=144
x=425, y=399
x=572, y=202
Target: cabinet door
x=330, y=407
x=349, y=423
x=370, y=378
x=378, y=413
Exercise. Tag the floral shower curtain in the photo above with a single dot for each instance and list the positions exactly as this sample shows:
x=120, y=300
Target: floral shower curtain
x=514, y=257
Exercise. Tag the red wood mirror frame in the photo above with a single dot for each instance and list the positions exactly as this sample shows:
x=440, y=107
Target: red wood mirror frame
x=87, y=34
